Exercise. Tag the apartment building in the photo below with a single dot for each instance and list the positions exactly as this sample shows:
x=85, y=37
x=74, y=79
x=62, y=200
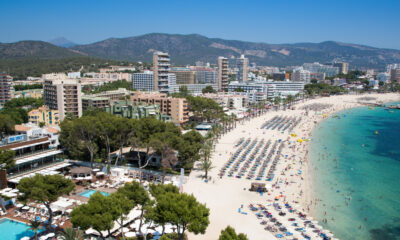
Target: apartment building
x=44, y=115
x=205, y=75
x=329, y=70
x=239, y=66
x=63, y=95
x=5, y=88
x=90, y=101
x=29, y=93
x=177, y=108
x=184, y=75
x=229, y=100
x=222, y=73
x=114, y=94
x=125, y=108
x=395, y=75
x=301, y=75
x=343, y=67
x=143, y=81
x=161, y=68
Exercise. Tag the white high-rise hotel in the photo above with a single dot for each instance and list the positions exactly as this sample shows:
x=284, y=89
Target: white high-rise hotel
x=161, y=67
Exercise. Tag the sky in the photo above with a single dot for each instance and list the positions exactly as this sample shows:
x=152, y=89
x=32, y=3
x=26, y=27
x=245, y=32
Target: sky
x=374, y=23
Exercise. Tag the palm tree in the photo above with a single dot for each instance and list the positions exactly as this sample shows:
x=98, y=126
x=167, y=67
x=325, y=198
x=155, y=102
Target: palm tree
x=34, y=227
x=72, y=234
x=206, y=164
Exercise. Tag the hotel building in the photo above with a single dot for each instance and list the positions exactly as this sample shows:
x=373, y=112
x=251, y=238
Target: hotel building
x=161, y=67
x=222, y=73
x=63, y=95
x=5, y=88
x=177, y=108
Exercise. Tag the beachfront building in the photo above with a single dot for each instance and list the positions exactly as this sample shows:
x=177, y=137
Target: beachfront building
x=258, y=91
x=63, y=95
x=161, y=68
x=222, y=73
x=143, y=81
x=229, y=100
x=194, y=88
x=125, y=108
x=301, y=75
x=239, y=66
x=329, y=70
x=33, y=149
x=177, y=108
x=5, y=88
x=44, y=115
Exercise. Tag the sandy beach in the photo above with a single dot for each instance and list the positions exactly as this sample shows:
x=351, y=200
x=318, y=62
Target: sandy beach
x=292, y=183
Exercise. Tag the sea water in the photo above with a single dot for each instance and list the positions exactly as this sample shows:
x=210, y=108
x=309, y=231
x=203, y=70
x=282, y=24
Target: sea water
x=355, y=161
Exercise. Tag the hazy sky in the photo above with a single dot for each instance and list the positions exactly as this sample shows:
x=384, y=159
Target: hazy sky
x=375, y=23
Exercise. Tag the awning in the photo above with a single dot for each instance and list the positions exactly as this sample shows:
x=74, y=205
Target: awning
x=30, y=145
x=36, y=157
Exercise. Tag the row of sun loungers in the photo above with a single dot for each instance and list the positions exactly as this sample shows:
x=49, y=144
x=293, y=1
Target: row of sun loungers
x=300, y=226
x=250, y=159
x=272, y=169
x=242, y=158
x=234, y=157
x=258, y=160
x=267, y=158
x=281, y=123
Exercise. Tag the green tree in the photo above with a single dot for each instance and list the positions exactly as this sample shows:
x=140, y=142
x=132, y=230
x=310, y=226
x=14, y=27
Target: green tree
x=205, y=163
x=157, y=214
x=229, y=233
x=183, y=211
x=6, y=125
x=313, y=81
x=208, y=89
x=70, y=233
x=121, y=207
x=97, y=213
x=34, y=226
x=86, y=131
x=138, y=195
x=45, y=189
x=7, y=157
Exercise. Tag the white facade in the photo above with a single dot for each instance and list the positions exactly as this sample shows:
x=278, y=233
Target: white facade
x=143, y=81
x=161, y=68
x=383, y=77
x=259, y=91
x=301, y=75
x=195, y=88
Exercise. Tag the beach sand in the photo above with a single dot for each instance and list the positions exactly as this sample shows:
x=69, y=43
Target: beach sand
x=224, y=196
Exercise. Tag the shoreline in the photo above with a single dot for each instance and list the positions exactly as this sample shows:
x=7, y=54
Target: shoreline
x=310, y=180
x=225, y=195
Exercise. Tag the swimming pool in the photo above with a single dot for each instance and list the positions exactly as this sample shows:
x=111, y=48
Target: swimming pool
x=14, y=230
x=90, y=192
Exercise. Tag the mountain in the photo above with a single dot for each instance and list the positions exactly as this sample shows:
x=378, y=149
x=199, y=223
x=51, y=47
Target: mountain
x=35, y=50
x=62, y=42
x=186, y=49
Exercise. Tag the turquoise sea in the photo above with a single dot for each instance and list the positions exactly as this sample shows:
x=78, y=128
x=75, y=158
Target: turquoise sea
x=355, y=156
